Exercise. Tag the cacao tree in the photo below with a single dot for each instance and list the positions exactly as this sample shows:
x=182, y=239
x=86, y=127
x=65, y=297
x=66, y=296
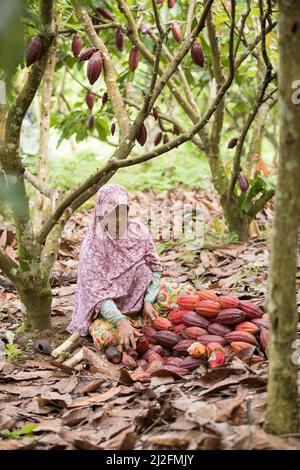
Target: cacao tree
x=283, y=401
x=195, y=63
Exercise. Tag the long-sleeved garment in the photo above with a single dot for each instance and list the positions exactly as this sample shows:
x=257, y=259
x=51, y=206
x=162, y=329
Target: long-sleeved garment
x=110, y=312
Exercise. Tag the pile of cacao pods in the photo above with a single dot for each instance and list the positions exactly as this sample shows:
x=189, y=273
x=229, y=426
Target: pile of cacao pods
x=205, y=329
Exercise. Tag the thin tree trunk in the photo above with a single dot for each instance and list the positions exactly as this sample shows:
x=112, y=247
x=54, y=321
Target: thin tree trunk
x=282, y=405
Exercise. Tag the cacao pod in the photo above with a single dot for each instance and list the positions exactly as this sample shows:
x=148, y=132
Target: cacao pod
x=140, y=376
x=149, y=331
x=216, y=359
x=264, y=338
x=218, y=329
x=232, y=143
x=157, y=139
x=152, y=356
x=195, y=331
x=166, y=139
x=76, y=45
x=230, y=316
x=229, y=301
x=175, y=316
x=142, y=345
x=86, y=54
x=34, y=50
x=197, y=350
x=213, y=346
x=251, y=310
x=197, y=54
x=119, y=40
x=166, y=338
x=105, y=13
x=146, y=28
x=162, y=324
x=207, y=295
x=182, y=346
x=206, y=339
x=90, y=100
x=94, y=68
x=261, y=322
x=178, y=328
x=190, y=363
x=190, y=318
x=128, y=361
x=158, y=349
x=238, y=346
x=208, y=308
x=247, y=326
x=176, y=32
x=113, y=128
x=243, y=183
x=176, y=130
x=90, y=122
x=155, y=114
x=173, y=361
x=113, y=355
x=188, y=302
x=159, y=2
x=236, y=336
x=141, y=135
x=104, y=98
x=134, y=58
x=171, y=3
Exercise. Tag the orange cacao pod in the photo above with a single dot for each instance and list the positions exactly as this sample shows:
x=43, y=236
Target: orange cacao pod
x=188, y=302
x=230, y=316
x=208, y=308
x=166, y=338
x=251, y=310
x=34, y=50
x=161, y=323
x=207, y=295
x=181, y=347
x=190, y=363
x=94, y=68
x=197, y=350
x=247, y=326
x=190, y=318
x=229, y=301
x=238, y=346
x=76, y=45
x=218, y=329
x=243, y=336
x=195, y=331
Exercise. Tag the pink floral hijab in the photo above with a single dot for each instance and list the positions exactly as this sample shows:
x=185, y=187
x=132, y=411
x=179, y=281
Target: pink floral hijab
x=109, y=268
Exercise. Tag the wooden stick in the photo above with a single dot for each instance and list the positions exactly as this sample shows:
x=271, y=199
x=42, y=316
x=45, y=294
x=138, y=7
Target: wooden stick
x=66, y=346
x=74, y=360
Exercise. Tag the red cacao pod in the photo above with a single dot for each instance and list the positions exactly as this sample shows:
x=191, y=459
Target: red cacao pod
x=162, y=324
x=105, y=13
x=206, y=339
x=157, y=139
x=90, y=122
x=208, y=308
x=128, y=361
x=247, y=326
x=141, y=135
x=178, y=328
x=166, y=338
x=216, y=359
x=197, y=54
x=243, y=336
x=34, y=50
x=76, y=45
x=86, y=54
x=176, y=32
x=181, y=348
x=214, y=346
x=251, y=310
x=188, y=302
x=207, y=295
x=191, y=363
x=113, y=128
x=230, y=316
x=89, y=99
x=159, y=2
x=229, y=301
x=232, y=143
x=194, y=332
x=119, y=40
x=175, y=316
x=197, y=350
x=190, y=318
x=218, y=329
x=134, y=58
x=94, y=68
x=171, y=3
x=142, y=345
x=104, y=98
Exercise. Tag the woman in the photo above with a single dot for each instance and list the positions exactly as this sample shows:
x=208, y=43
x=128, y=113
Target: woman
x=119, y=275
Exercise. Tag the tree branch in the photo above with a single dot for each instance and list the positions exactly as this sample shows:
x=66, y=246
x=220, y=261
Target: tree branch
x=9, y=267
x=261, y=202
x=37, y=184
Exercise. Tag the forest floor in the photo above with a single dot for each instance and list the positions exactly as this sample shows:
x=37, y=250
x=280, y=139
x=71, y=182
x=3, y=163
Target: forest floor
x=99, y=405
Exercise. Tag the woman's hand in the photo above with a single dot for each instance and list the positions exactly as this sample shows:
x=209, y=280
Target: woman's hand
x=149, y=311
x=126, y=334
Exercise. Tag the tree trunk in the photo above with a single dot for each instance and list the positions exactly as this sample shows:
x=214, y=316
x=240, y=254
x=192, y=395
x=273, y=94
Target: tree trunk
x=282, y=405
x=237, y=222
x=36, y=301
